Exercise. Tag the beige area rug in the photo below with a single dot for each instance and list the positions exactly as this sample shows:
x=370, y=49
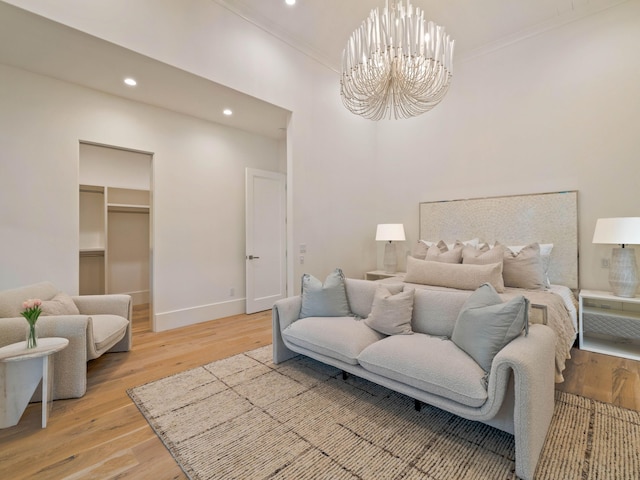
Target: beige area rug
x=245, y=418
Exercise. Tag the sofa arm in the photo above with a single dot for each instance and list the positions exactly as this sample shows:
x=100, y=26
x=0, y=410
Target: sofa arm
x=114, y=304
x=70, y=364
x=532, y=359
x=284, y=313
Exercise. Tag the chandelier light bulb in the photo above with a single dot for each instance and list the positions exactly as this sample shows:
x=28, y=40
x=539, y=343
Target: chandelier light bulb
x=396, y=64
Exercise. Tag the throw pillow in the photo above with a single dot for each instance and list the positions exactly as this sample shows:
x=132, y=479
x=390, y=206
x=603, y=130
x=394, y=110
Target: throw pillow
x=453, y=275
x=485, y=324
x=442, y=253
x=545, y=256
x=60, y=304
x=328, y=300
x=523, y=269
x=391, y=313
x=483, y=255
x=419, y=250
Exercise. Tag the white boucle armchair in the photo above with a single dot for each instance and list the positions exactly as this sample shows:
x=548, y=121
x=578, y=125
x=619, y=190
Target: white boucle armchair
x=103, y=324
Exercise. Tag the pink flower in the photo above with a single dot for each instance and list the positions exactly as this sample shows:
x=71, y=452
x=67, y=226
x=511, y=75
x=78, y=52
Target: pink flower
x=31, y=303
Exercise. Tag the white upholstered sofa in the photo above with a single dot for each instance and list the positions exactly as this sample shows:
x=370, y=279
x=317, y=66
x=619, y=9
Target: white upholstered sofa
x=515, y=395
x=93, y=324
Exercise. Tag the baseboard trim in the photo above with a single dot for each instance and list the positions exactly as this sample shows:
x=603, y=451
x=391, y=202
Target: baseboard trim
x=193, y=315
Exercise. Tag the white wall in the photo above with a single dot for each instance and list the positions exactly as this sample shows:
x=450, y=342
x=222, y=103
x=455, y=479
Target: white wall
x=329, y=157
x=198, y=188
x=558, y=111
x=330, y=151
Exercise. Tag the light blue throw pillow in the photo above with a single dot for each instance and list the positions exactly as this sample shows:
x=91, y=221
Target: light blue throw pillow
x=328, y=300
x=486, y=324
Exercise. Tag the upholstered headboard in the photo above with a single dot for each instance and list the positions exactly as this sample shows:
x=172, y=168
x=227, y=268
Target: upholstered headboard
x=512, y=220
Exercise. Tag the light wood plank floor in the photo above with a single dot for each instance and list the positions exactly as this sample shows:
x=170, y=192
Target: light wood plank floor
x=103, y=435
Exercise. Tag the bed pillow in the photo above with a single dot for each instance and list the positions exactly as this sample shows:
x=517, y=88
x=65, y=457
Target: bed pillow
x=453, y=275
x=474, y=242
x=419, y=250
x=523, y=269
x=485, y=324
x=545, y=256
x=60, y=304
x=328, y=300
x=483, y=255
x=391, y=313
x=441, y=253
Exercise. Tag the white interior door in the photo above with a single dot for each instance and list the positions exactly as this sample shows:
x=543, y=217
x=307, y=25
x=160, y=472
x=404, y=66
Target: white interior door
x=265, y=258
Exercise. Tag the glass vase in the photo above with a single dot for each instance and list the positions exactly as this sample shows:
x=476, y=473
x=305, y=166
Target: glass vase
x=32, y=335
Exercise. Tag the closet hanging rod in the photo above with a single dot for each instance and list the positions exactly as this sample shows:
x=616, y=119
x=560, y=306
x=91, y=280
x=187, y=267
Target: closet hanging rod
x=86, y=190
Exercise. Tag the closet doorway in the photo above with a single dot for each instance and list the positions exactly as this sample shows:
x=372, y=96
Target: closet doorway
x=115, y=225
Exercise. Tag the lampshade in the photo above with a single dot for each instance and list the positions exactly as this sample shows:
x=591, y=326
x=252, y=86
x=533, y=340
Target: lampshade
x=620, y=231
x=623, y=270
x=388, y=232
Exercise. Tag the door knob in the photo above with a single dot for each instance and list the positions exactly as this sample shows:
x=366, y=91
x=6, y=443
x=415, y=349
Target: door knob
x=251, y=257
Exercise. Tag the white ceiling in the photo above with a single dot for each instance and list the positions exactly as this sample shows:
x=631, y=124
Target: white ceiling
x=319, y=28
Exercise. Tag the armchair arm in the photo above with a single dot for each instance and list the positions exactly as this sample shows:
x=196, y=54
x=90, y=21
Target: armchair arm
x=532, y=359
x=113, y=304
x=284, y=313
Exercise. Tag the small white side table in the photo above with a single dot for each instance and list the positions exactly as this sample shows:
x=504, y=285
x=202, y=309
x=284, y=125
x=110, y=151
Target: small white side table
x=21, y=370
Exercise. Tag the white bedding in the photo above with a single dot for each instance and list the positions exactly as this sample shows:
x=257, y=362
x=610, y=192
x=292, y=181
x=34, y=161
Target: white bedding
x=569, y=301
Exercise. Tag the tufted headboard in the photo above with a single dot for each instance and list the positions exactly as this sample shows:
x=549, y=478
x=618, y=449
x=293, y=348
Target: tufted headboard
x=512, y=220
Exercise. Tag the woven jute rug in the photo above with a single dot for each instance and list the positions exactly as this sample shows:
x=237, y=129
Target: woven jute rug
x=245, y=418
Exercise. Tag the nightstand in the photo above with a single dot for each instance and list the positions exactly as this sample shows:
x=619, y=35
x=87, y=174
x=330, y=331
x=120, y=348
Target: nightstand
x=380, y=274
x=609, y=324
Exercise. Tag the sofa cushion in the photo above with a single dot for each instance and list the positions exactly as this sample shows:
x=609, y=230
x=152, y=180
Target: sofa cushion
x=328, y=300
x=435, y=311
x=11, y=300
x=432, y=364
x=108, y=330
x=391, y=311
x=486, y=324
x=342, y=338
x=61, y=304
x=360, y=294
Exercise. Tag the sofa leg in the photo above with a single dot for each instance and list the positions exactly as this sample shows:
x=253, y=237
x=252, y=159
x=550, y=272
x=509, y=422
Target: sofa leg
x=345, y=375
x=417, y=404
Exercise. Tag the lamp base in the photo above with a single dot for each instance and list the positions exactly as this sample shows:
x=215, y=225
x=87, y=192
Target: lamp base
x=390, y=261
x=623, y=272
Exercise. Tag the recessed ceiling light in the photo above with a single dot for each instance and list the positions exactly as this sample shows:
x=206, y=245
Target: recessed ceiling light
x=290, y=2
x=130, y=81
x=227, y=111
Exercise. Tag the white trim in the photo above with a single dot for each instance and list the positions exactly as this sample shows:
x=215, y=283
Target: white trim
x=203, y=313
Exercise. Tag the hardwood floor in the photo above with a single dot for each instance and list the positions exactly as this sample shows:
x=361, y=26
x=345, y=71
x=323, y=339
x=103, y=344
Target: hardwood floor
x=103, y=435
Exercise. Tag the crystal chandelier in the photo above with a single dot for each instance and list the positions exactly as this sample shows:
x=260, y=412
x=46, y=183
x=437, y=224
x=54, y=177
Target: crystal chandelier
x=396, y=65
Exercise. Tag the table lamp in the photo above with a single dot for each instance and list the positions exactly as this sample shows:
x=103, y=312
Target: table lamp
x=390, y=232
x=623, y=270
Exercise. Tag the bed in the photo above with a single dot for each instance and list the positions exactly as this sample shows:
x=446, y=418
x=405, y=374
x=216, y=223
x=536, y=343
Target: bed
x=547, y=219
